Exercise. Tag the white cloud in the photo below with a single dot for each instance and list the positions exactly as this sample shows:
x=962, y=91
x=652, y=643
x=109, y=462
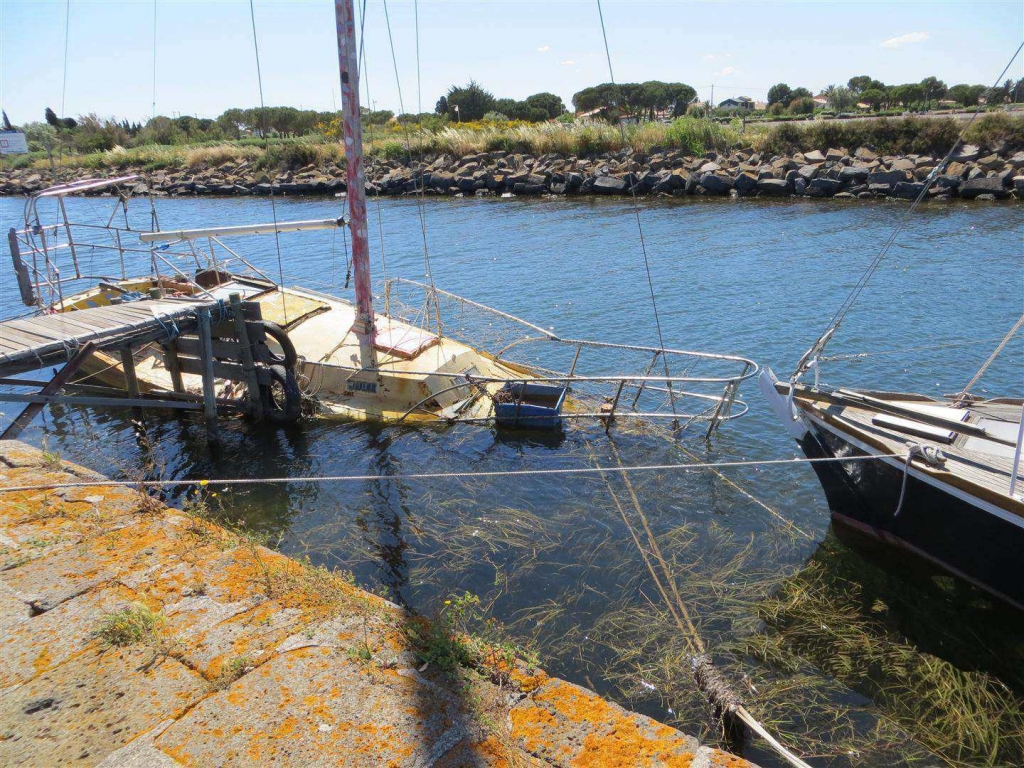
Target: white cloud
x=726, y=71
x=910, y=37
x=544, y=48
x=716, y=56
x=567, y=63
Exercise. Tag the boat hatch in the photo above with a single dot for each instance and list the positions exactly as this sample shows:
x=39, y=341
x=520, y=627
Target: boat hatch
x=911, y=427
x=405, y=342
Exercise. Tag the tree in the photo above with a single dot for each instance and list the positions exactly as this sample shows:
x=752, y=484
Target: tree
x=52, y=119
x=551, y=104
x=907, y=94
x=859, y=83
x=780, y=94
x=441, y=107
x=874, y=97
x=7, y=122
x=802, y=93
x=776, y=109
x=802, y=106
x=1017, y=92
x=473, y=100
x=933, y=89
x=966, y=95
x=840, y=98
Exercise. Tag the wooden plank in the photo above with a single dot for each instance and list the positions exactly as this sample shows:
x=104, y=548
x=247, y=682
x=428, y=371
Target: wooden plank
x=222, y=350
x=173, y=366
x=23, y=419
x=40, y=400
x=207, y=373
x=221, y=370
x=255, y=403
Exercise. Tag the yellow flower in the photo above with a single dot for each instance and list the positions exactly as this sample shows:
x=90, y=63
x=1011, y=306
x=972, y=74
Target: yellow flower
x=204, y=482
x=447, y=602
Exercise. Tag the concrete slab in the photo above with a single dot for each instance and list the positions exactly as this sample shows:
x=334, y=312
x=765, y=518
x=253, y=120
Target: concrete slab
x=312, y=706
x=32, y=647
x=92, y=705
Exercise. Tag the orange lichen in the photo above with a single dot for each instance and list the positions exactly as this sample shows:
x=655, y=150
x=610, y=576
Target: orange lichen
x=528, y=682
x=286, y=728
x=575, y=704
x=625, y=745
x=42, y=661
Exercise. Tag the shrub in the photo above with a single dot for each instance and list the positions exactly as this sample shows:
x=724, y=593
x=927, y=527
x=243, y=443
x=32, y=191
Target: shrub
x=776, y=109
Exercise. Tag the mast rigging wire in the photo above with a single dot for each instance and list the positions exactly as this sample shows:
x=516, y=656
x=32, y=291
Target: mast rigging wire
x=639, y=225
x=962, y=396
x=420, y=208
x=266, y=143
x=822, y=341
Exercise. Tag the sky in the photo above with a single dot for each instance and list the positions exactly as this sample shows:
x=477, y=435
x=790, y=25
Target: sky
x=205, y=63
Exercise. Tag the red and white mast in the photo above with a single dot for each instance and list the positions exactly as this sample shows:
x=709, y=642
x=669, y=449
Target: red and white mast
x=348, y=63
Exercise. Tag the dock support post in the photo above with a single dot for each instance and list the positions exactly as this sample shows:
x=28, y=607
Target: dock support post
x=131, y=380
x=206, y=353
x=173, y=365
x=248, y=363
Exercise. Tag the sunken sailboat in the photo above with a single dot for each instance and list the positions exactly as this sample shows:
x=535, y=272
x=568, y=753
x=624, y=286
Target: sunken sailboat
x=409, y=362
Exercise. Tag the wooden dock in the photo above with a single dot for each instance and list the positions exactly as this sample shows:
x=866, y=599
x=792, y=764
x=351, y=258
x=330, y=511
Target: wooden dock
x=217, y=341
x=36, y=342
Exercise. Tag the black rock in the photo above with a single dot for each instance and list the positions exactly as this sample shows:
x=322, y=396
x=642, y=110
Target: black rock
x=908, y=190
x=972, y=188
x=824, y=187
x=715, y=184
x=609, y=185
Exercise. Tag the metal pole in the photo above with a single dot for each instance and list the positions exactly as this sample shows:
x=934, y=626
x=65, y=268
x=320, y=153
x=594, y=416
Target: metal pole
x=28, y=297
x=1016, y=454
x=349, y=67
x=206, y=354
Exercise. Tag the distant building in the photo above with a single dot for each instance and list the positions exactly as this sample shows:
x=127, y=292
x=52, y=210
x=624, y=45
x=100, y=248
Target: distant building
x=740, y=102
x=821, y=100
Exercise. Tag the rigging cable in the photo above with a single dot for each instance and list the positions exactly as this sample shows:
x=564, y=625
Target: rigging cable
x=819, y=345
x=303, y=479
x=639, y=225
x=428, y=273
x=964, y=393
x=63, y=91
x=153, y=113
x=364, y=75
x=266, y=142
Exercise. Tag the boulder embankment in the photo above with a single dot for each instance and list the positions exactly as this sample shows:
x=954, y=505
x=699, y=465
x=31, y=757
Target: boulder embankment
x=973, y=173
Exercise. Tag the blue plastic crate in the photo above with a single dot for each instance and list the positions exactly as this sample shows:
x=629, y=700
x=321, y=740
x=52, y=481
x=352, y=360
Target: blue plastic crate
x=530, y=406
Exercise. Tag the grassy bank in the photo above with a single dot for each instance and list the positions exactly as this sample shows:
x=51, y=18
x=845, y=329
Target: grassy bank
x=887, y=136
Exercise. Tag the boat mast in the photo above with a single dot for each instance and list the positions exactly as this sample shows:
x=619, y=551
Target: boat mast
x=348, y=55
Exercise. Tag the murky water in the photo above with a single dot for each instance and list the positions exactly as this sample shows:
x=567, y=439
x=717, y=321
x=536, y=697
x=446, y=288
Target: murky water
x=551, y=557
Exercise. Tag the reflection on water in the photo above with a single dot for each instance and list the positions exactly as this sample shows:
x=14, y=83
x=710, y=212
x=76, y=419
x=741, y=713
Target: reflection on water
x=550, y=556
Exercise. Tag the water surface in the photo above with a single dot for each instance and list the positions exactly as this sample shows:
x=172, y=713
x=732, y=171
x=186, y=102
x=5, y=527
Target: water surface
x=551, y=557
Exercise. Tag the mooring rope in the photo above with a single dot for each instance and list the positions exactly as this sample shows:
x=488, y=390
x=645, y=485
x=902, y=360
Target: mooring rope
x=709, y=678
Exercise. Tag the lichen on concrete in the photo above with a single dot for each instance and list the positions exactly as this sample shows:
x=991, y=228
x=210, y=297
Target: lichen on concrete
x=253, y=658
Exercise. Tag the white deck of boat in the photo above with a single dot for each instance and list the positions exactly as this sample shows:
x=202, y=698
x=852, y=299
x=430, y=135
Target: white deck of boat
x=977, y=460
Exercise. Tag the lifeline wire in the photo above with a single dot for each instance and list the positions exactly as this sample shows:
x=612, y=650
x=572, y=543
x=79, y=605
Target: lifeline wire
x=639, y=226
x=825, y=337
x=443, y=475
x=266, y=141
